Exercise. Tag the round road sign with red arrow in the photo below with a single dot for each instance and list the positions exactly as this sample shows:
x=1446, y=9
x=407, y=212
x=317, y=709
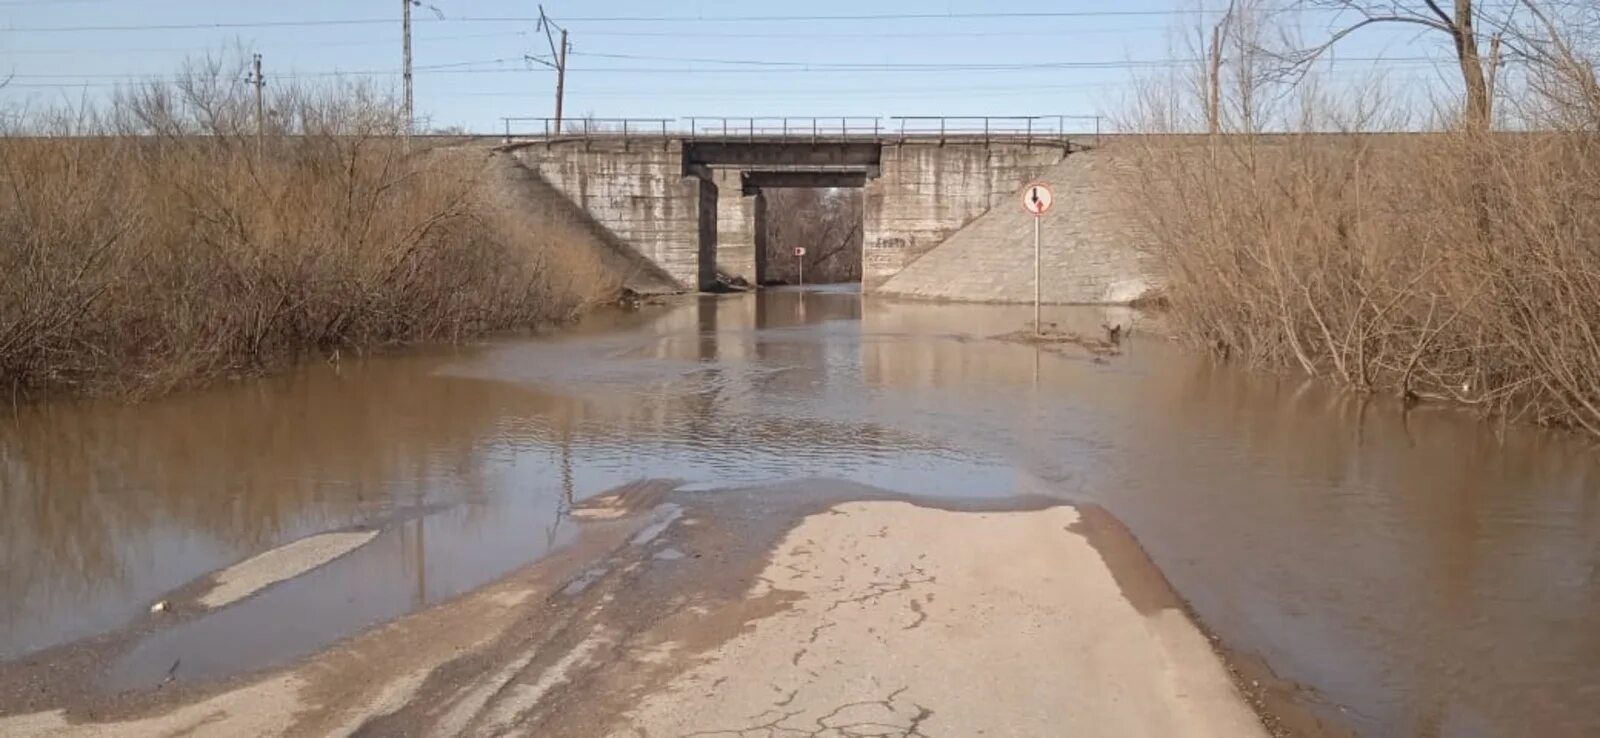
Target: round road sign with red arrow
x=1037, y=198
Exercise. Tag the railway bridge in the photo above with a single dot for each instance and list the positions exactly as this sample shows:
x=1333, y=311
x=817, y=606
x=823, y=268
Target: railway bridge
x=687, y=193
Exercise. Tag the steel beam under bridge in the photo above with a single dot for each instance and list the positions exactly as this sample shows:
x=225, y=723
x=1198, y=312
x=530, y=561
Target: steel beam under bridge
x=752, y=182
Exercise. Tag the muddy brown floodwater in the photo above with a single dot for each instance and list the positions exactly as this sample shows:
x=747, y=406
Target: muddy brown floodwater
x=1396, y=574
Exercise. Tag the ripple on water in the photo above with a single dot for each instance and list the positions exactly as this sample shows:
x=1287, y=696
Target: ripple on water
x=1420, y=573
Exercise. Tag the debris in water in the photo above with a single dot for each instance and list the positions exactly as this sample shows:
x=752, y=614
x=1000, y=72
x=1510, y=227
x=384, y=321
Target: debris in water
x=1052, y=337
x=172, y=673
x=1113, y=333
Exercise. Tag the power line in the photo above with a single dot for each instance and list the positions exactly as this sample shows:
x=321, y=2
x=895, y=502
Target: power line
x=1057, y=33
x=901, y=92
x=853, y=18
x=275, y=46
x=944, y=67
x=204, y=26
x=883, y=16
x=598, y=19
x=779, y=67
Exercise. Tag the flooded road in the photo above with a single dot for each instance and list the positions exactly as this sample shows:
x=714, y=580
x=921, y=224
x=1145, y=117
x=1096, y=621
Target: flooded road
x=1417, y=574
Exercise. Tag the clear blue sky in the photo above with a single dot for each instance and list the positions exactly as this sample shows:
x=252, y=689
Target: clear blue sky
x=470, y=70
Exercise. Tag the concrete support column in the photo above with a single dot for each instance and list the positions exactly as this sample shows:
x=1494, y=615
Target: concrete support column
x=881, y=248
x=736, y=226
x=706, y=239
x=758, y=211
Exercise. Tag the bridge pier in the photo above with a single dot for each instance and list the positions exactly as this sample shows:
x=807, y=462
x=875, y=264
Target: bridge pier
x=736, y=226
x=706, y=233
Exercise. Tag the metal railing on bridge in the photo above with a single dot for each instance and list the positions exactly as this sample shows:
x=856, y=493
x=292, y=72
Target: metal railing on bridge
x=1013, y=128
x=587, y=127
x=815, y=127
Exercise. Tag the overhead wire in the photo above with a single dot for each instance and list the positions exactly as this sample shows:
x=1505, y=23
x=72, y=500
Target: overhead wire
x=701, y=18
x=418, y=39
x=721, y=66
x=866, y=17
x=462, y=67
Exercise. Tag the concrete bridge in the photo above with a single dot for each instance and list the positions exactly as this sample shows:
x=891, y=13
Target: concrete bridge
x=688, y=195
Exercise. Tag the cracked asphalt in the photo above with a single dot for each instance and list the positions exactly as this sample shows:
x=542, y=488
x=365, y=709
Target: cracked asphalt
x=910, y=621
x=816, y=610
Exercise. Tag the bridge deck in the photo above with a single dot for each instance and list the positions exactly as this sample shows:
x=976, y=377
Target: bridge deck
x=1061, y=130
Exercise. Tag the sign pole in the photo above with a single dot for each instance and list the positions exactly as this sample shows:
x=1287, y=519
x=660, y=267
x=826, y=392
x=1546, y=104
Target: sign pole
x=1037, y=199
x=1038, y=328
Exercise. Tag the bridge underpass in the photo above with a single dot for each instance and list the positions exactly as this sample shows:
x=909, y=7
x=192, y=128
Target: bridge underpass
x=783, y=220
x=690, y=199
x=742, y=170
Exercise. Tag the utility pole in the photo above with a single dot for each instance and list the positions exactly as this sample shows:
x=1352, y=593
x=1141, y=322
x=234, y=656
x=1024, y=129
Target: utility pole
x=259, y=82
x=558, y=60
x=406, y=74
x=561, y=76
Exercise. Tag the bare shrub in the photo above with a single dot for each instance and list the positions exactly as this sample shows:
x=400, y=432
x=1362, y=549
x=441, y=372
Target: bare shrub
x=161, y=241
x=826, y=222
x=1457, y=264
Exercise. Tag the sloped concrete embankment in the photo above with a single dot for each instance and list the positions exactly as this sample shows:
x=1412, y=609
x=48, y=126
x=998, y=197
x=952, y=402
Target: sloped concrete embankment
x=524, y=205
x=1092, y=247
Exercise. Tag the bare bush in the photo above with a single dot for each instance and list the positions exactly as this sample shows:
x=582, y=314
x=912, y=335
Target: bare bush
x=1459, y=264
x=827, y=223
x=160, y=241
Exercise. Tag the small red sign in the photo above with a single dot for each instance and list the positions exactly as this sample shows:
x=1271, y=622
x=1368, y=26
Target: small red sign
x=799, y=251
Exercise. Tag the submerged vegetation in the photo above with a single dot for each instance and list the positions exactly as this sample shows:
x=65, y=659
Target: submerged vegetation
x=1461, y=262
x=171, y=235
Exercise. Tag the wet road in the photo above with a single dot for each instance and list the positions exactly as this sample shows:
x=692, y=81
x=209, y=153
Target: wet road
x=1420, y=574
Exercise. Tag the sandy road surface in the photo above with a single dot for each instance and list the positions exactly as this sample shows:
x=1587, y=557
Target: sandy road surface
x=919, y=622
x=691, y=618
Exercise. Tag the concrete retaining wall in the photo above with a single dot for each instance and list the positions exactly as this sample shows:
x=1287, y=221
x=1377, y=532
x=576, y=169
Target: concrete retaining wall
x=637, y=190
x=925, y=192
x=527, y=209
x=1091, y=243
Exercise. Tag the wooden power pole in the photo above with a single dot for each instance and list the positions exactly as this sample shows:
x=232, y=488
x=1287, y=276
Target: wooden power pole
x=259, y=82
x=406, y=73
x=561, y=77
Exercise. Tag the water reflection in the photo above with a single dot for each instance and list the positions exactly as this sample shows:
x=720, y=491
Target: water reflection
x=1426, y=575
x=106, y=506
x=1430, y=576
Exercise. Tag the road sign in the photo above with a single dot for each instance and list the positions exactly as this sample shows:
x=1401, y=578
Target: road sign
x=1037, y=198
x=799, y=251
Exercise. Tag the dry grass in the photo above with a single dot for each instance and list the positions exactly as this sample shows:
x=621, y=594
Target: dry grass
x=159, y=241
x=1451, y=266
x=1456, y=264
